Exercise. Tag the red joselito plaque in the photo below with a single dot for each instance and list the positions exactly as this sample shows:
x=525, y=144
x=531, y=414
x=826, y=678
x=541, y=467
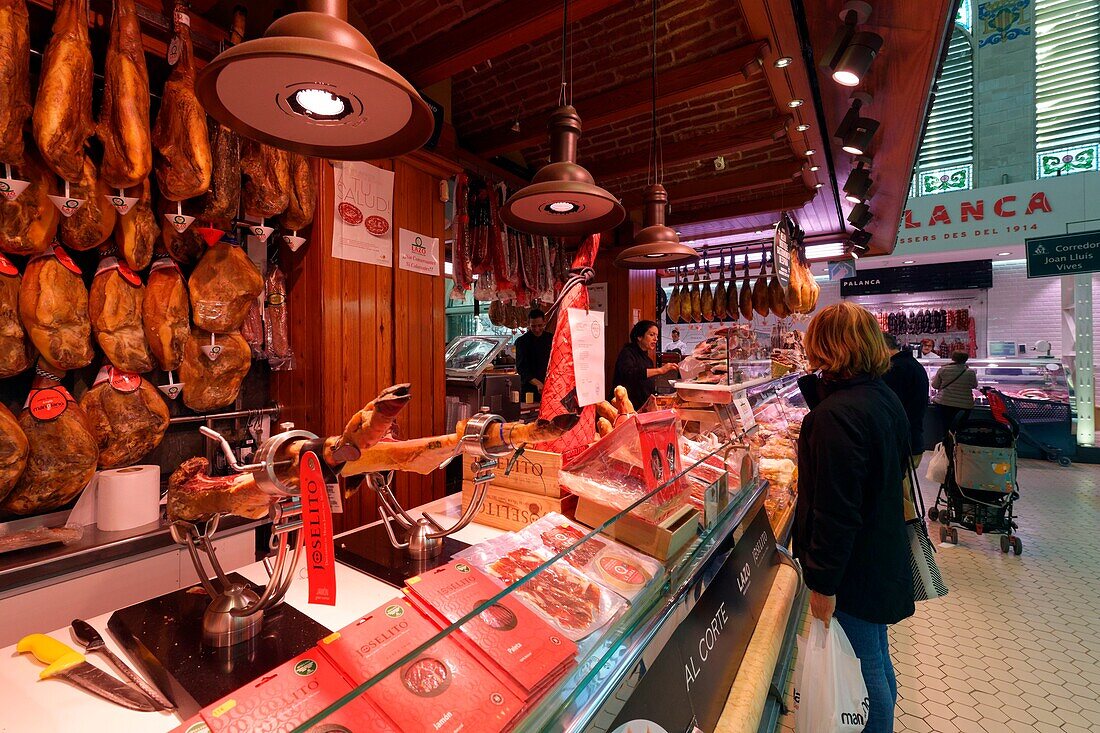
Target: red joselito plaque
x=525, y=651
x=291, y=694
x=443, y=690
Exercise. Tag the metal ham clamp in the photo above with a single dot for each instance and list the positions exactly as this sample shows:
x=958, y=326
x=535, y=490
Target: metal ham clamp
x=424, y=536
x=236, y=612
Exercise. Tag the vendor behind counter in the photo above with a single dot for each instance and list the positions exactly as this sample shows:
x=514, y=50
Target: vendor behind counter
x=533, y=354
x=635, y=369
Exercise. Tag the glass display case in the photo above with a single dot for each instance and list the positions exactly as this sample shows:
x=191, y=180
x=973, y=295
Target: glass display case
x=1034, y=379
x=473, y=382
x=559, y=627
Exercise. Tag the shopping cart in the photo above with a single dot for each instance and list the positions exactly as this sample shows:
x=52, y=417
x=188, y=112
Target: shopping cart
x=980, y=487
x=1023, y=411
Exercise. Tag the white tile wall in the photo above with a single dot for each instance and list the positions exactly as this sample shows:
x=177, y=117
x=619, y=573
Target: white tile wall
x=1016, y=308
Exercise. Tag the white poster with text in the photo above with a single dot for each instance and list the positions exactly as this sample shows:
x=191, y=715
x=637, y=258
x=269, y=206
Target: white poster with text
x=417, y=252
x=586, y=328
x=362, y=228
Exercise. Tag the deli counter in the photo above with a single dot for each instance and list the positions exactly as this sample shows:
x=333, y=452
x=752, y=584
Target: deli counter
x=1037, y=393
x=609, y=629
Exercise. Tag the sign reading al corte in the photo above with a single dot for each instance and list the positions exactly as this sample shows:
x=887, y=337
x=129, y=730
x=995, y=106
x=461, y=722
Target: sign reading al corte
x=1065, y=254
x=997, y=215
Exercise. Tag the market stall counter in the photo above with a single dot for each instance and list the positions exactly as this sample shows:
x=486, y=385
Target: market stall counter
x=635, y=628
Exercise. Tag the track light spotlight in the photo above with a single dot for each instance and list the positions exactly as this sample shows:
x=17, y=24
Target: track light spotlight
x=853, y=13
x=856, y=60
x=858, y=139
x=860, y=216
x=857, y=185
x=852, y=116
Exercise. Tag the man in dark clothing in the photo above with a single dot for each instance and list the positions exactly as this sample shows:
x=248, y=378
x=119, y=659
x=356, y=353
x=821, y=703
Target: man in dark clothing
x=909, y=381
x=533, y=353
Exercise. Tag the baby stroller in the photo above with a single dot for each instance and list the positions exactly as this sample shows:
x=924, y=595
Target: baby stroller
x=980, y=486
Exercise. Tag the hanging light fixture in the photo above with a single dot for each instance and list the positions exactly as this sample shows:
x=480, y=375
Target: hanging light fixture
x=858, y=139
x=858, y=184
x=860, y=216
x=313, y=84
x=563, y=199
x=656, y=245
x=850, y=53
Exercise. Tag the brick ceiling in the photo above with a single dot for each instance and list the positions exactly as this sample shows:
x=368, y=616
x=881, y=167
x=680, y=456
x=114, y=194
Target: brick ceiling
x=610, y=49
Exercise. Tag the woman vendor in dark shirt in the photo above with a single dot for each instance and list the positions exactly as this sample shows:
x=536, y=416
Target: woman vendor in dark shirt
x=634, y=369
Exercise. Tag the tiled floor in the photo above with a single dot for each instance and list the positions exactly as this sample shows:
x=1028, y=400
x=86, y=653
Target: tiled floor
x=1015, y=646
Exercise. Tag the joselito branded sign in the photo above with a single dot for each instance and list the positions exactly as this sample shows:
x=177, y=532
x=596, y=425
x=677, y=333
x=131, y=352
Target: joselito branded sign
x=998, y=215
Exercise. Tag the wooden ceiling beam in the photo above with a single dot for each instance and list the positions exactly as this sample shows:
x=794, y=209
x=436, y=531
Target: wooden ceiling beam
x=679, y=84
x=767, y=204
x=752, y=136
x=765, y=175
x=487, y=35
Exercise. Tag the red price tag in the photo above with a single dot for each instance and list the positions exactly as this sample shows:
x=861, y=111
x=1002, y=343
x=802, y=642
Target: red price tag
x=48, y=404
x=317, y=531
x=64, y=259
x=128, y=275
x=7, y=267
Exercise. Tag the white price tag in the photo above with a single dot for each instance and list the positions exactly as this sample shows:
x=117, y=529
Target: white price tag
x=586, y=327
x=744, y=412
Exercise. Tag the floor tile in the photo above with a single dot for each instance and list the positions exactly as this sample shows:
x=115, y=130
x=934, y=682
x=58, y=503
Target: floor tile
x=1015, y=645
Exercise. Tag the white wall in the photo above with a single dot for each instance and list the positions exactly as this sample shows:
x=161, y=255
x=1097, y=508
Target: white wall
x=1016, y=308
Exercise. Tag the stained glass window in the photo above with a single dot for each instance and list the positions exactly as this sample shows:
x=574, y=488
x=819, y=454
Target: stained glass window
x=965, y=16
x=942, y=180
x=1075, y=159
x=948, y=145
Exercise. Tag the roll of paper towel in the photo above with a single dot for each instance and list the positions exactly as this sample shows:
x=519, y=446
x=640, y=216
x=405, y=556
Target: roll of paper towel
x=127, y=497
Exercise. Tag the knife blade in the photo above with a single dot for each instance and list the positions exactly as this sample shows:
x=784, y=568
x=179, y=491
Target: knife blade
x=69, y=665
x=93, y=643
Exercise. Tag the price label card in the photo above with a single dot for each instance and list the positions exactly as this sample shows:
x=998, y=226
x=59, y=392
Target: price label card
x=586, y=328
x=744, y=412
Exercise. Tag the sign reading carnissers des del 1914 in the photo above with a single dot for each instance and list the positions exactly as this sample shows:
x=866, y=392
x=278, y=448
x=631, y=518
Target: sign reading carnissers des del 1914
x=1064, y=254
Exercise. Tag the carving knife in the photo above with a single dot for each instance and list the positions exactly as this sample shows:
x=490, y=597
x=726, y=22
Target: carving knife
x=93, y=642
x=69, y=665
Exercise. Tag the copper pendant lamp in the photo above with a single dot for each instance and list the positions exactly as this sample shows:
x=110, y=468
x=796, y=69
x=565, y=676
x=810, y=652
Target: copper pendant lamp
x=313, y=84
x=656, y=245
x=563, y=199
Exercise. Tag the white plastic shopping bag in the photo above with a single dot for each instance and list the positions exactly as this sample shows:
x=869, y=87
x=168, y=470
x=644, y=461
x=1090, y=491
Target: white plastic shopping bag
x=937, y=465
x=830, y=695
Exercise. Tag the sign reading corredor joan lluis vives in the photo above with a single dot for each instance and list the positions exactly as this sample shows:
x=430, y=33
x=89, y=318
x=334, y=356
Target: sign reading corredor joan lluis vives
x=1063, y=254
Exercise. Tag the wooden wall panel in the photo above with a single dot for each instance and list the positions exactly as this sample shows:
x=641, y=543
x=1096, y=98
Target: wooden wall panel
x=357, y=329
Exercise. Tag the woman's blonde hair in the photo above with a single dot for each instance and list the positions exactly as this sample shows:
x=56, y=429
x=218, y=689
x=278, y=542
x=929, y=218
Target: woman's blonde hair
x=844, y=341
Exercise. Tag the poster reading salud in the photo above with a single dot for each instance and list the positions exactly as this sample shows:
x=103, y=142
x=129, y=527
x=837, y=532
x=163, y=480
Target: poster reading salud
x=417, y=252
x=362, y=228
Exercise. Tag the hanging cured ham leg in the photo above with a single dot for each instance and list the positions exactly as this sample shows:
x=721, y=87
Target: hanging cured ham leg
x=15, y=78
x=63, y=108
x=194, y=495
x=124, y=117
x=180, y=134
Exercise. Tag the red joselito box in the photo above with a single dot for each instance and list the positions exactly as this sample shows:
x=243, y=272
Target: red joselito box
x=291, y=694
x=522, y=649
x=443, y=690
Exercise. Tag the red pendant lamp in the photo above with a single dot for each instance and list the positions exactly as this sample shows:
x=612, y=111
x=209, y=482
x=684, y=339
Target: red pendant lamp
x=563, y=199
x=656, y=245
x=313, y=84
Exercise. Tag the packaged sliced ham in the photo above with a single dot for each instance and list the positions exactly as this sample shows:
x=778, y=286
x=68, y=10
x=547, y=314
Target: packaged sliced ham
x=522, y=650
x=565, y=598
x=253, y=329
x=602, y=559
x=442, y=689
x=289, y=695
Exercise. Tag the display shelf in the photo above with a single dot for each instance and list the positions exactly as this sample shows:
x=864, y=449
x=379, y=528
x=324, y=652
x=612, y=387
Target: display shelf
x=782, y=524
x=608, y=654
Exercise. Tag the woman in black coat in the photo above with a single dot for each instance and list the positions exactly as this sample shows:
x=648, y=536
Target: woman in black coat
x=634, y=369
x=849, y=529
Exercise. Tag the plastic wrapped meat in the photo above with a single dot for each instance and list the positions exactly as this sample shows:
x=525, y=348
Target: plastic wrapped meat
x=276, y=337
x=222, y=287
x=253, y=330
x=208, y=383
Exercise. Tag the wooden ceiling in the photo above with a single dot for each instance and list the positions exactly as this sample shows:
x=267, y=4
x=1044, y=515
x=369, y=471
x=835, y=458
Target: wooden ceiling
x=720, y=95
